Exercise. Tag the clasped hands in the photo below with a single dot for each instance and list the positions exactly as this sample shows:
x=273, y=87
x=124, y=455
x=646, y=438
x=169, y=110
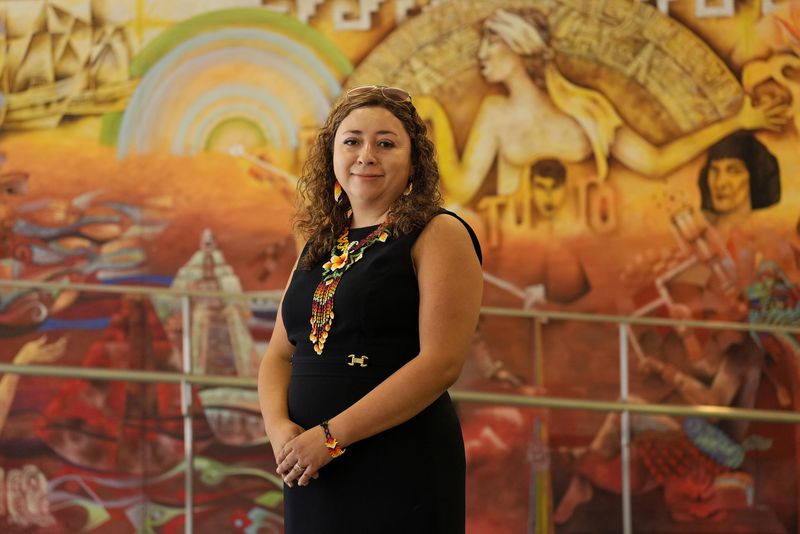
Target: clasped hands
x=650, y=365
x=299, y=453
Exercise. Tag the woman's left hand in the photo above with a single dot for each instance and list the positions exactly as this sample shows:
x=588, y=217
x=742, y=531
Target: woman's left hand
x=303, y=456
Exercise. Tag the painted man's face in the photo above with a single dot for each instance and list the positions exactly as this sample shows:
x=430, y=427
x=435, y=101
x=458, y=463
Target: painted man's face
x=548, y=195
x=729, y=183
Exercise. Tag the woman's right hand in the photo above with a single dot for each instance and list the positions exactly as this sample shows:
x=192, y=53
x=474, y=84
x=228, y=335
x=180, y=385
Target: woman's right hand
x=773, y=116
x=282, y=433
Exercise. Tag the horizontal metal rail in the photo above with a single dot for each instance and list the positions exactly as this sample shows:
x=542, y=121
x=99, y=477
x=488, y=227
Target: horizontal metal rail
x=715, y=412
x=127, y=375
x=628, y=319
x=702, y=410
x=275, y=296
x=141, y=290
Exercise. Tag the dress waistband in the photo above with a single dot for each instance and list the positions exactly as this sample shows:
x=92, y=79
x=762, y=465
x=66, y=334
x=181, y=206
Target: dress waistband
x=352, y=360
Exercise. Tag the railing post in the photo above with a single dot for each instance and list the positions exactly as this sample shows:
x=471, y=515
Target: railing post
x=186, y=411
x=625, y=431
x=539, y=492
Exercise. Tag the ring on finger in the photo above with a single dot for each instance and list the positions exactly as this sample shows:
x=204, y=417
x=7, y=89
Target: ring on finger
x=298, y=466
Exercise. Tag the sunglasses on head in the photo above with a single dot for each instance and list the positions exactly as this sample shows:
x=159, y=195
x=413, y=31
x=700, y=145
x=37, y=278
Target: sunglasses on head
x=394, y=94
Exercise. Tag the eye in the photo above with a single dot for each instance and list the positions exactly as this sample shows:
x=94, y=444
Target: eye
x=385, y=143
x=736, y=169
x=350, y=141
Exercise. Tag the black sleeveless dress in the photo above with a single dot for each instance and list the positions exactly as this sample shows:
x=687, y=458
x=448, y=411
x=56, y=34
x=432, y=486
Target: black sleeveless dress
x=408, y=479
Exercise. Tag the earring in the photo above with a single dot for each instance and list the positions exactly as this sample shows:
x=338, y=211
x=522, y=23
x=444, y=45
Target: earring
x=409, y=187
x=337, y=191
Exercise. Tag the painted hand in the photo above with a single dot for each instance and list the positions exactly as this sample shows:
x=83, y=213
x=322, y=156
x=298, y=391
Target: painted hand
x=772, y=116
x=39, y=351
x=648, y=365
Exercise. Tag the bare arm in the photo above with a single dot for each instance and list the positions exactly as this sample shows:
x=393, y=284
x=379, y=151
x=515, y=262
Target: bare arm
x=642, y=156
x=721, y=392
x=8, y=388
x=36, y=351
x=273, y=386
x=462, y=176
x=451, y=286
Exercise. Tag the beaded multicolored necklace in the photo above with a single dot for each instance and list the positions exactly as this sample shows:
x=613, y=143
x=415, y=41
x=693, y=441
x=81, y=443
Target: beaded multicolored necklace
x=343, y=255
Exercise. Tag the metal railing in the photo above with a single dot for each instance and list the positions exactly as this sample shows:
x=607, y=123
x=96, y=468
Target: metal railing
x=539, y=401
x=188, y=378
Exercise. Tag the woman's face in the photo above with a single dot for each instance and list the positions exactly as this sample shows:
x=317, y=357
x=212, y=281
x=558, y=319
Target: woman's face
x=729, y=183
x=372, y=157
x=497, y=60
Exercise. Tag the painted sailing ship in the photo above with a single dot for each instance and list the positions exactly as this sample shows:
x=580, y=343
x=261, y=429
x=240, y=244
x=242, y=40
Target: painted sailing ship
x=59, y=58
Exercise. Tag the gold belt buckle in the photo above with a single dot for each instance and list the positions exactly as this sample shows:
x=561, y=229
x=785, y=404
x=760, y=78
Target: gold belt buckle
x=355, y=360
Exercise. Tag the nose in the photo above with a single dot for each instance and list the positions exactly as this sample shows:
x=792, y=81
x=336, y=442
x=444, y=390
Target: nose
x=365, y=155
x=482, y=49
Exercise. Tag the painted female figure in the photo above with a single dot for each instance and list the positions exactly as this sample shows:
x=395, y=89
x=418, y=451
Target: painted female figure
x=544, y=115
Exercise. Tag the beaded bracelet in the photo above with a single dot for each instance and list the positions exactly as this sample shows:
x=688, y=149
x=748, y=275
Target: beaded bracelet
x=330, y=442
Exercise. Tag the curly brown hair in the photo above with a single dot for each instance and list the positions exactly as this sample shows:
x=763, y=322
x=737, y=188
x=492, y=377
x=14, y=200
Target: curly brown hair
x=320, y=219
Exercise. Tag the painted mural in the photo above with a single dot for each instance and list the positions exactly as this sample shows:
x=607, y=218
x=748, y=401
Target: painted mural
x=614, y=156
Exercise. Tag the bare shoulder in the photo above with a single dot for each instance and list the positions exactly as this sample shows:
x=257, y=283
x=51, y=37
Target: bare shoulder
x=444, y=236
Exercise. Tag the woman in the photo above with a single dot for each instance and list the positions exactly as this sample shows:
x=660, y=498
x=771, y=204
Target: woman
x=547, y=116
x=354, y=401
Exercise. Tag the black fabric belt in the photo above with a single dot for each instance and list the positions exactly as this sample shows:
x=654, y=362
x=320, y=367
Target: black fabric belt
x=352, y=360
